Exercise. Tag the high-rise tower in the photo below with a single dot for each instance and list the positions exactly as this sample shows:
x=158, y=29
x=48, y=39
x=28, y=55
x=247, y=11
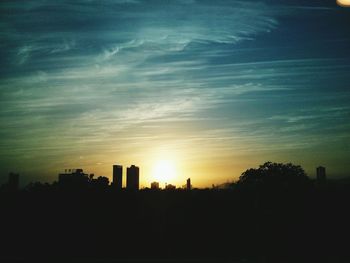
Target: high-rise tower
x=132, y=177
x=188, y=184
x=117, y=176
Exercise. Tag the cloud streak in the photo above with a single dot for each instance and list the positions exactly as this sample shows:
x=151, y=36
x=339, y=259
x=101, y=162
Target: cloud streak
x=93, y=76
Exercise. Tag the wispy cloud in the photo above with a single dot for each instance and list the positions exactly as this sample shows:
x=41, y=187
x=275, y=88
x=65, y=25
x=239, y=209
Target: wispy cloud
x=86, y=75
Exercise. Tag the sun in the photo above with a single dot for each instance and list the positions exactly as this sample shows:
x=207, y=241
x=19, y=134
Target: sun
x=345, y=3
x=164, y=171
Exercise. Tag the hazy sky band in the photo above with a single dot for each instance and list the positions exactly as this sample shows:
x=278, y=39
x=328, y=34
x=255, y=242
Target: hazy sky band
x=226, y=84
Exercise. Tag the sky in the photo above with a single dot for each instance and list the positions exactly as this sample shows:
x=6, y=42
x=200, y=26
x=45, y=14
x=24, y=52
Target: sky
x=212, y=87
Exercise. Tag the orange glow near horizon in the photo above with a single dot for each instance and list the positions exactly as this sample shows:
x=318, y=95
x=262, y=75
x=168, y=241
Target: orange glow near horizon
x=173, y=161
x=174, y=167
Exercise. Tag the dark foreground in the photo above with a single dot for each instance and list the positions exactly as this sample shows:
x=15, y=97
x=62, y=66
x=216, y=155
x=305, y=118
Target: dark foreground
x=238, y=225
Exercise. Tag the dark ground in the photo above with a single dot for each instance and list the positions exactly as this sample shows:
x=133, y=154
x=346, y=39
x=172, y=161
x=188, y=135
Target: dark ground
x=237, y=225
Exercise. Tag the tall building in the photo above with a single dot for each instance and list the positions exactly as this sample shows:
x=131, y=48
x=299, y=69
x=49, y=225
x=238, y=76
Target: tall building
x=117, y=176
x=13, y=182
x=321, y=174
x=188, y=184
x=132, y=178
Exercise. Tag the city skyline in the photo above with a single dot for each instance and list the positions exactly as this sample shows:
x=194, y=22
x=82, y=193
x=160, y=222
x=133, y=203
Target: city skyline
x=201, y=89
x=130, y=179
x=273, y=213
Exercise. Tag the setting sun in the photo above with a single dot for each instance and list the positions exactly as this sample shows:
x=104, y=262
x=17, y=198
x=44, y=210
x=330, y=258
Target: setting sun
x=344, y=3
x=164, y=171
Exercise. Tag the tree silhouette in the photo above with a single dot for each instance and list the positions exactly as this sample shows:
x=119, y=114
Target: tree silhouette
x=100, y=183
x=275, y=175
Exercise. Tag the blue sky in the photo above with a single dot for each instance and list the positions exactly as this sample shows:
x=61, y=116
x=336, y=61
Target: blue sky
x=216, y=86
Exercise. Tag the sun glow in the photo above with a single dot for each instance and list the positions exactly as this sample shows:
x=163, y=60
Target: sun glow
x=164, y=171
x=345, y=3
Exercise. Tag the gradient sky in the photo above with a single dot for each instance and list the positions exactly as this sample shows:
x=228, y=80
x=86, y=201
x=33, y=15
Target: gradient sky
x=214, y=86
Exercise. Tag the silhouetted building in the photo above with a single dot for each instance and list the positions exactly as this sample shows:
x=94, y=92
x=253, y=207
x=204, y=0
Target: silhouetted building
x=132, y=177
x=321, y=174
x=73, y=177
x=170, y=187
x=13, y=182
x=71, y=172
x=155, y=185
x=117, y=176
x=188, y=184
